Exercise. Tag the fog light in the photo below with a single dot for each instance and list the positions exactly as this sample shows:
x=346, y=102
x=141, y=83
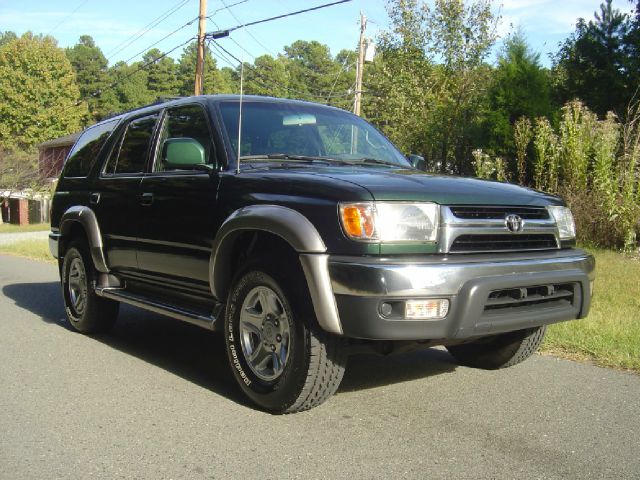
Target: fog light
x=426, y=309
x=386, y=309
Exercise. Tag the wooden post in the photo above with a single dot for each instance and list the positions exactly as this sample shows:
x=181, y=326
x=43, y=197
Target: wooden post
x=202, y=24
x=359, y=68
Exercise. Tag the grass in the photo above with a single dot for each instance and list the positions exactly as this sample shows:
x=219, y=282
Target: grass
x=34, y=249
x=34, y=227
x=610, y=335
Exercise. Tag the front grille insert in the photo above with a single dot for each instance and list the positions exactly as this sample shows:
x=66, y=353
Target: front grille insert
x=499, y=212
x=503, y=242
x=552, y=295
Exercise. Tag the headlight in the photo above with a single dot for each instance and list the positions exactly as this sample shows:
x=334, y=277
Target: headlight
x=390, y=221
x=564, y=220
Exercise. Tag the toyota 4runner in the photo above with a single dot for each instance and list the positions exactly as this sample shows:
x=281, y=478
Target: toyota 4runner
x=300, y=232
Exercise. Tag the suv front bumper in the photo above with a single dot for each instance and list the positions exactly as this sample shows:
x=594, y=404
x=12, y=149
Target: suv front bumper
x=361, y=284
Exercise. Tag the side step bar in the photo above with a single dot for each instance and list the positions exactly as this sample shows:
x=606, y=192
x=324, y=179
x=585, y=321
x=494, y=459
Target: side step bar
x=194, y=318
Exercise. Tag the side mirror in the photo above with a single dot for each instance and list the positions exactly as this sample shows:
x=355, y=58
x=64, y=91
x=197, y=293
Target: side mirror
x=417, y=161
x=183, y=153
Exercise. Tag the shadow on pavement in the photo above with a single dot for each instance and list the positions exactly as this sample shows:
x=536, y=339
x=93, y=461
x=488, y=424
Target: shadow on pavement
x=370, y=371
x=199, y=356
x=182, y=349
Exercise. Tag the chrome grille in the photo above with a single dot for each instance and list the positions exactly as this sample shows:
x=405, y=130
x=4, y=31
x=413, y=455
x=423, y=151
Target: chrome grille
x=471, y=212
x=502, y=242
x=483, y=229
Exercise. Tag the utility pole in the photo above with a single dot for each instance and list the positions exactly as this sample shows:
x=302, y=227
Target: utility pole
x=360, y=67
x=202, y=25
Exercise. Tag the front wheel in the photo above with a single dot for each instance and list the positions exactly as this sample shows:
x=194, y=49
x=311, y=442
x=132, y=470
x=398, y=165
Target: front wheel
x=499, y=351
x=280, y=359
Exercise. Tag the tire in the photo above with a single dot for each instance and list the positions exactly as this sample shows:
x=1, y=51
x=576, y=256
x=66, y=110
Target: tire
x=281, y=360
x=499, y=351
x=86, y=311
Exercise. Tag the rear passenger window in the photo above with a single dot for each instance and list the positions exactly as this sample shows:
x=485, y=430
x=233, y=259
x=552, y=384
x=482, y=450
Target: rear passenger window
x=134, y=149
x=84, y=152
x=184, y=122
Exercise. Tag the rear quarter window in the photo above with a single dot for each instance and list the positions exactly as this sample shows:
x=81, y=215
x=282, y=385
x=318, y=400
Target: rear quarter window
x=85, y=151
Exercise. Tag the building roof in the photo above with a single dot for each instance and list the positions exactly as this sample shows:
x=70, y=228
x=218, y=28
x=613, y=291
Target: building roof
x=66, y=141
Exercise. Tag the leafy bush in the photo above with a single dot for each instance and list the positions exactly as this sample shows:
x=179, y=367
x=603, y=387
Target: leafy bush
x=594, y=165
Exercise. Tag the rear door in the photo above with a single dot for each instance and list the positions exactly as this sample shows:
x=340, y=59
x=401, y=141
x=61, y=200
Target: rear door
x=117, y=199
x=179, y=218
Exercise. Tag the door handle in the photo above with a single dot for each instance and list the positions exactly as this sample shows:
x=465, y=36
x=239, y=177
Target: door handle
x=147, y=199
x=94, y=198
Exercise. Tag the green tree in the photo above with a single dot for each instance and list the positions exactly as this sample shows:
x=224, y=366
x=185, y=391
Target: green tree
x=229, y=81
x=6, y=37
x=162, y=79
x=592, y=63
x=430, y=80
x=521, y=87
x=461, y=35
x=90, y=66
x=127, y=88
x=632, y=53
x=267, y=76
x=311, y=70
x=213, y=80
x=39, y=97
x=398, y=98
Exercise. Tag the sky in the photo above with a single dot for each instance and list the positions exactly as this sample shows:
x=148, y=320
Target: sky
x=121, y=27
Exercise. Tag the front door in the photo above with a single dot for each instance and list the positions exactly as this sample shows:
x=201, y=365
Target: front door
x=179, y=214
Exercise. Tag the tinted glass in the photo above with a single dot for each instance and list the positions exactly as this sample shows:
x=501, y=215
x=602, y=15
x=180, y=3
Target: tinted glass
x=305, y=129
x=185, y=122
x=86, y=149
x=134, y=150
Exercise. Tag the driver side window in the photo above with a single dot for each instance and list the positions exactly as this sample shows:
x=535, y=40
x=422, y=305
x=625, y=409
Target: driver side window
x=188, y=122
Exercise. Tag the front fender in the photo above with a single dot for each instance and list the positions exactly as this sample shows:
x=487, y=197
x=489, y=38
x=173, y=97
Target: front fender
x=295, y=229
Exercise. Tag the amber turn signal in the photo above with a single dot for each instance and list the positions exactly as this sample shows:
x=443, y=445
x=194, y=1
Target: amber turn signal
x=358, y=220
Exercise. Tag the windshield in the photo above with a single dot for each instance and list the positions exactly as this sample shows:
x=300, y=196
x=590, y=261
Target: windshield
x=291, y=129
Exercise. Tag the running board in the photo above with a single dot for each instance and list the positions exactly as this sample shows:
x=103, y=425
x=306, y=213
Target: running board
x=188, y=316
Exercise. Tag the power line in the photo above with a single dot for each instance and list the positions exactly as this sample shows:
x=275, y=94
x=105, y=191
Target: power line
x=248, y=32
x=190, y=22
x=67, y=17
x=226, y=32
x=243, y=49
x=146, y=29
x=226, y=7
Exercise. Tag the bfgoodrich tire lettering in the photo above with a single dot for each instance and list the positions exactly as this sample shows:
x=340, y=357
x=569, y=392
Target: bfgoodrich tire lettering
x=87, y=312
x=315, y=361
x=499, y=351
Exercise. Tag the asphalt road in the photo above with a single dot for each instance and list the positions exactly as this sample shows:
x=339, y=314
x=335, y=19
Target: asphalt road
x=154, y=399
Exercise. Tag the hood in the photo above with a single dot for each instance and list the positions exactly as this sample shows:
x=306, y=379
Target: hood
x=413, y=185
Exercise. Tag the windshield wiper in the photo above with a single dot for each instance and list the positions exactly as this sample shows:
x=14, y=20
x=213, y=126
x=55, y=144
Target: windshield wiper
x=286, y=156
x=311, y=158
x=377, y=161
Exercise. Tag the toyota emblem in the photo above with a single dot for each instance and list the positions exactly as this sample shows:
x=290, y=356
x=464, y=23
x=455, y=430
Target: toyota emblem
x=514, y=223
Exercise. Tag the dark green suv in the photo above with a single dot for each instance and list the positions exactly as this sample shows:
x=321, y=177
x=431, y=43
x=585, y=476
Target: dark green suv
x=302, y=233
